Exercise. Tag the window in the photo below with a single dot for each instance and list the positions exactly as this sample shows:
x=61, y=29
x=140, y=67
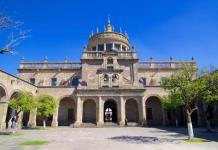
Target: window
x=33, y=81
x=110, y=61
x=54, y=82
x=109, y=46
x=149, y=113
x=117, y=47
x=123, y=48
x=101, y=47
x=94, y=48
x=75, y=82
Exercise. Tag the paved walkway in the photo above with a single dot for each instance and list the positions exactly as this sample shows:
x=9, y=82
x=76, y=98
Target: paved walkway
x=131, y=138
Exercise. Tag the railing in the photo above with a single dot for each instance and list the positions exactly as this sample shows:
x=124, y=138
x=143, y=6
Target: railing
x=96, y=55
x=50, y=65
x=165, y=64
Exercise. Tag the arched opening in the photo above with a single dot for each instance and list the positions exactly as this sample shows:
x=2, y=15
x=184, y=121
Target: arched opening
x=66, y=111
x=132, y=113
x=2, y=93
x=89, y=111
x=22, y=120
x=110, y=111
x=154, y=111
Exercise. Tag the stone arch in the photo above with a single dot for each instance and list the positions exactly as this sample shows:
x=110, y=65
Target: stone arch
x=3, y=93
x=154, y=110
x=110, y=111
x=89, y=111
x=11, y=112
x=132, y=112
x=66, y=111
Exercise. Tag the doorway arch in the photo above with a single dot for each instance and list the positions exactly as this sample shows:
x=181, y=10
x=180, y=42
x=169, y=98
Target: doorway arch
x=89, y=111
x=110, y=111
x=132, y=113
x=66, y=111
x=154, y=111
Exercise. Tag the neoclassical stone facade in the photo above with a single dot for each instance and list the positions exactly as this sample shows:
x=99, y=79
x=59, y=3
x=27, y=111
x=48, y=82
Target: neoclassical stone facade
x=108, y=86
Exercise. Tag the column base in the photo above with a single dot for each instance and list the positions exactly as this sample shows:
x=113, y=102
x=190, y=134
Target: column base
x=54, y=124
x=122, y=123
x=100, y=124
x=77, y=124
x=2, y=125
x=143, y=123
x=31, y=124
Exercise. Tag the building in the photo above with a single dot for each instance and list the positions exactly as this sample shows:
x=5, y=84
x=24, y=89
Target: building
x=108, y=86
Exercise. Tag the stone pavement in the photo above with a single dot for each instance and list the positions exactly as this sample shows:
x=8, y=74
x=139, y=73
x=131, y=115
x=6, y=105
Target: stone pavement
x=130, y=138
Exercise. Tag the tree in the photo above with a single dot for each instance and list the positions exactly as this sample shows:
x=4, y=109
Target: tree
x=210, y=94
x=184, y=90
x=46, y=106
x=16, y=35
x=23, y=102
x=171, y=103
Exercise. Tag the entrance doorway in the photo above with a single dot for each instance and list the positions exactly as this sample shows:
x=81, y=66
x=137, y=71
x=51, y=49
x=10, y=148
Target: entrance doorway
x=110, y=111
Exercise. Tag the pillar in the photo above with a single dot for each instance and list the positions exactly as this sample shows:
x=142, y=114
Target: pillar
x=142, y=112
x=32, y=118
x=3, y=114
x=121, y=111
x=100, y=112
x=79, y=108
x=55, y=118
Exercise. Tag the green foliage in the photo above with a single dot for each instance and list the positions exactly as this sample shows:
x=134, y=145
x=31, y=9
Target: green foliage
x=196, y=140
x=34, y=143
x=172, y=101
x=183, y=89
x=46, y=105
x=24, y=101
x=210, y=93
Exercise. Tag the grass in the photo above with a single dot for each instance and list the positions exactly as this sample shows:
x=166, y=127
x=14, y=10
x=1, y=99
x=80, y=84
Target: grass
x=10, y=134
x=34, y=143
x=196, y=140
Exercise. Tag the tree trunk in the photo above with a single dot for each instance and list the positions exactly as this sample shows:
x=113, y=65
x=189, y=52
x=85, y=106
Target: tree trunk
x=44, y=123
x=189, y=125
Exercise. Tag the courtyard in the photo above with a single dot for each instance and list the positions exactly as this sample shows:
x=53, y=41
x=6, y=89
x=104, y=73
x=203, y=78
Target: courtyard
x=110, y=138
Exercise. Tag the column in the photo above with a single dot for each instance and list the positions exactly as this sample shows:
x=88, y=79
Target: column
x=3, y=114
x=121, y=112
x=20, y=120
x=142, y=112
x=100, y=112
x=55, y=117
x=32, y=118
x=79, y=109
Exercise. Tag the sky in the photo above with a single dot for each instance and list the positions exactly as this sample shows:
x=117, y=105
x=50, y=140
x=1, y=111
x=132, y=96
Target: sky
x=157, y=28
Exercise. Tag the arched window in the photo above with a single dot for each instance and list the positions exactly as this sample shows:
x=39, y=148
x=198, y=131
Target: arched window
x=106, y=78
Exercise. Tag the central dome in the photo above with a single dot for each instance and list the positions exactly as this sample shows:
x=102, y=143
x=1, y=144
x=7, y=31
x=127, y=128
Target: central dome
x=109, y=40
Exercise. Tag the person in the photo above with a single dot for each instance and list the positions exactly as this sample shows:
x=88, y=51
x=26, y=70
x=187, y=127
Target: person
x=126, y=122
x=13, y=120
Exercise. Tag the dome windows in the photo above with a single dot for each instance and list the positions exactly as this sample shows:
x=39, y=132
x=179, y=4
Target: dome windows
x=109, y=47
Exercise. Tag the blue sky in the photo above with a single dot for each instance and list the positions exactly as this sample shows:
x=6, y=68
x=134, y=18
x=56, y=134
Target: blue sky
x=157, y=28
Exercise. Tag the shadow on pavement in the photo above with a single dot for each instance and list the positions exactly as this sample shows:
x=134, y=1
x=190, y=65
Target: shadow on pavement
x=140, y=139
x=198, y=132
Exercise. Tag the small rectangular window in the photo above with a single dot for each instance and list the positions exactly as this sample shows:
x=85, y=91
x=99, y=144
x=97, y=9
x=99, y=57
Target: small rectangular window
x=109, y=46
x=123, y=48
x=101, y=47
x=33, y=81
x=117, y=47
x=54, y=82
